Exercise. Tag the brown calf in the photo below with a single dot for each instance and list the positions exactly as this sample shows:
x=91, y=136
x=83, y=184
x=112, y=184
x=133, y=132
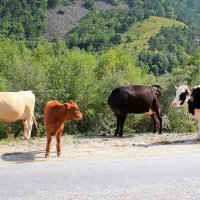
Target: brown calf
x=55, y=115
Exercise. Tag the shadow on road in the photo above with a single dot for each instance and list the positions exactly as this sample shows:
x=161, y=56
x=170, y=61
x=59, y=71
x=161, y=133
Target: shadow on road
x=22, y=157
x=171, y=142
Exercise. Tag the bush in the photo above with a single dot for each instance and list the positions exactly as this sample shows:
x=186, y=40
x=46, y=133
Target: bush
x=117, y=39
x=89, y=4
x=61, y=12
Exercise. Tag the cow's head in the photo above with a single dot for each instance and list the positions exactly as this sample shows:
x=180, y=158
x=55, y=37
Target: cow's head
x=182, y=96
x=73, y=112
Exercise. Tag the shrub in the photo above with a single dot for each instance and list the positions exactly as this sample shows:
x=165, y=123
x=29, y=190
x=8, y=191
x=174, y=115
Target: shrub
x=89, y=4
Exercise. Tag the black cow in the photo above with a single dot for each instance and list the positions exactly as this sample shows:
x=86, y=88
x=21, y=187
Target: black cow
x=135, y=99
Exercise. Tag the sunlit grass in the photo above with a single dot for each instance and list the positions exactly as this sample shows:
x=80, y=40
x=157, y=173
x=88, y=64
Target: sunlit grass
x=141, y=32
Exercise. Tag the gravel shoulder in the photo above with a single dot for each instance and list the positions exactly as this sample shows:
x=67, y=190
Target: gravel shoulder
x=76, y=146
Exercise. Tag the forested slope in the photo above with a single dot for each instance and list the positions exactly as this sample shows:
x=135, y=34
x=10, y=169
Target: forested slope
x=22, y=19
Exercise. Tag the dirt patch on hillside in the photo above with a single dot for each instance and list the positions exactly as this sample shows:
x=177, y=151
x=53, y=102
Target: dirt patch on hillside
x=101, y=5
x=74, y=146
x=62, y=19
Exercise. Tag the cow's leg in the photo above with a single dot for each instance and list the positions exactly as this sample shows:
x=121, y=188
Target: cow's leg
x=158, y=113
x=49, y=138
x=25, y=129
x=58, y=139
x=121, y=124
x=30, y=124
x=154, y=122
x=117, y=129
x=198, y=134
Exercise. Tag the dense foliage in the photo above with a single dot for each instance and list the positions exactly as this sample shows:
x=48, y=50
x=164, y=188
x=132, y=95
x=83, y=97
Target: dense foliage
x=175, y=39
x=169, y=48
x=102, y=29
x=22, y=19
x=187, y=11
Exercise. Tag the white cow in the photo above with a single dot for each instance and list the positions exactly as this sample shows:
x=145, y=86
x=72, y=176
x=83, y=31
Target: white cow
x=187, y=98
x=18, y=106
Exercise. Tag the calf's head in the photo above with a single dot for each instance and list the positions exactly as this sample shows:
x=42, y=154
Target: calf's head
x=72, y=111
x=182, y=97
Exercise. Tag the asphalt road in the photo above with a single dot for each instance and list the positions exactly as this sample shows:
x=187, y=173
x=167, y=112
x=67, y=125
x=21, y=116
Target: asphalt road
x=161, y=176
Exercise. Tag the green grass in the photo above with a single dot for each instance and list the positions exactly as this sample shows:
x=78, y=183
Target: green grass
x=141, y=32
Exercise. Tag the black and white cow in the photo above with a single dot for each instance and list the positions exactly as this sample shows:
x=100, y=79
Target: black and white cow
x=190, y=99
x=135, y=99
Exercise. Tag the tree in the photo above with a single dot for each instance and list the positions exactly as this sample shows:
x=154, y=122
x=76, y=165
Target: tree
x=89, y=4
x=117, y=39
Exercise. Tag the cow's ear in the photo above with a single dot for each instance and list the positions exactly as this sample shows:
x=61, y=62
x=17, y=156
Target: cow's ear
x=176, y=88
x=67, y=105
x=188, y=92
x=71, y=101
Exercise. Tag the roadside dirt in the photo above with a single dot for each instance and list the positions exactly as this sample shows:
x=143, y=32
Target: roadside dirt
x=74, y=146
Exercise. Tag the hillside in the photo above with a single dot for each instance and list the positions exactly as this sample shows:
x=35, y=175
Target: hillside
x=58, y=25
x=143, y=31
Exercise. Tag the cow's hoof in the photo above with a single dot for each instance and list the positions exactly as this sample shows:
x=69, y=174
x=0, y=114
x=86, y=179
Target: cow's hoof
x=120, y=136
x=46, y=155
x=197, y=137
x=58, y=154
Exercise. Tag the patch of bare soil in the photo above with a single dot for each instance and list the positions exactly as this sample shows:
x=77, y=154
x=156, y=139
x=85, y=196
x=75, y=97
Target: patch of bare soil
x=73, y=146
x=62, y=19
x=101, y=5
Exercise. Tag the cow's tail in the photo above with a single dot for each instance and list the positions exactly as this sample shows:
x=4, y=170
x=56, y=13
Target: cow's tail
x=35, y=122
x=159, y=88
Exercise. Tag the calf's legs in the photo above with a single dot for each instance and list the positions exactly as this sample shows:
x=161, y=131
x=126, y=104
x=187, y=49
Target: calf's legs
x=49, y=138
x=58, y=139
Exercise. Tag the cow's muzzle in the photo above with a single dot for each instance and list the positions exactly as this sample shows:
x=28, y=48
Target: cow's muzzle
x=173, y=105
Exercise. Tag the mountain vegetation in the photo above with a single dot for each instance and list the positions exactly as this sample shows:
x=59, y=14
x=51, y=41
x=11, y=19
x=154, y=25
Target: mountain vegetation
x=22, y=19
x=145, y=42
